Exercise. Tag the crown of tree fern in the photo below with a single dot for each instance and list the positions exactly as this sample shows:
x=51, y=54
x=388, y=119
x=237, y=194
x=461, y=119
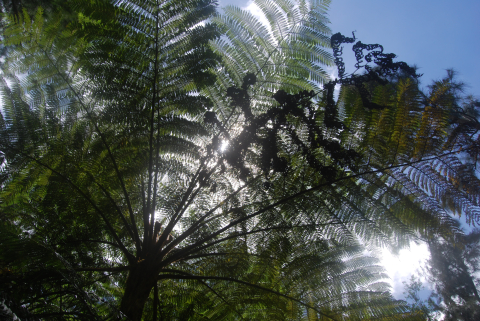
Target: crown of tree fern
x=165, y=161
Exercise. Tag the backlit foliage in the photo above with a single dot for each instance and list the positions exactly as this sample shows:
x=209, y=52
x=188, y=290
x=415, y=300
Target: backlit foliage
x=164, y=161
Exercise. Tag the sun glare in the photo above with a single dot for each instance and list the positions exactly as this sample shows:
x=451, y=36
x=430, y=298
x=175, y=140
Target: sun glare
x=400, y=267
x=224, y=145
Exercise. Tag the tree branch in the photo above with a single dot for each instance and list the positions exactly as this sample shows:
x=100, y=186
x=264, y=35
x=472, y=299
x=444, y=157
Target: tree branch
x=192, y=228
x=134, y=233
x=147, y=238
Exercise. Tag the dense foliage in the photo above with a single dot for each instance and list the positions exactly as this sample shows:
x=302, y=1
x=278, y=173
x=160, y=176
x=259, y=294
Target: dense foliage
x=163, y=161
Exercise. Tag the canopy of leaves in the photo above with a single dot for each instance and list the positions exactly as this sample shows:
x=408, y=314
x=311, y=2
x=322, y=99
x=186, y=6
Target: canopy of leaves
x=163, y=161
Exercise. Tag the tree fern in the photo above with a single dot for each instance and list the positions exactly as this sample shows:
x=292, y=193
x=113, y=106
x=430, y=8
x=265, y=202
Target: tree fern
x=188, y=175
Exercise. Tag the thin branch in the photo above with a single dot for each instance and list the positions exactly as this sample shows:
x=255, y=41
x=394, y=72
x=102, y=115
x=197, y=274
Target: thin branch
x=194, y=226
x=133, y=234
x=192, y=196
x=172, y=222
x=187, y=203
x=146, y=214
x=155, y=181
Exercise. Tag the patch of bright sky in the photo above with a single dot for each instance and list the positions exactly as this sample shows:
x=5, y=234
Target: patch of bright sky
x=400, y=267
x=434, y=35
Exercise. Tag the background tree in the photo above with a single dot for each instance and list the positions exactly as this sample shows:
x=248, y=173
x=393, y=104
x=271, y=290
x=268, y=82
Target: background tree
x=453, y=269
x=425, y=307
x=188, y=196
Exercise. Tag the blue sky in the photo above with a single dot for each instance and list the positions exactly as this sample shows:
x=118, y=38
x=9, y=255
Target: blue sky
x=434, y=35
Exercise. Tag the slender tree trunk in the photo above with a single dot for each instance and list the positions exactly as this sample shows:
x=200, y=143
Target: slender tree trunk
x=140, y=282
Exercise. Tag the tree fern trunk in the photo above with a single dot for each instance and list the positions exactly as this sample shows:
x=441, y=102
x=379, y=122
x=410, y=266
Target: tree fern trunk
x=140, y=282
